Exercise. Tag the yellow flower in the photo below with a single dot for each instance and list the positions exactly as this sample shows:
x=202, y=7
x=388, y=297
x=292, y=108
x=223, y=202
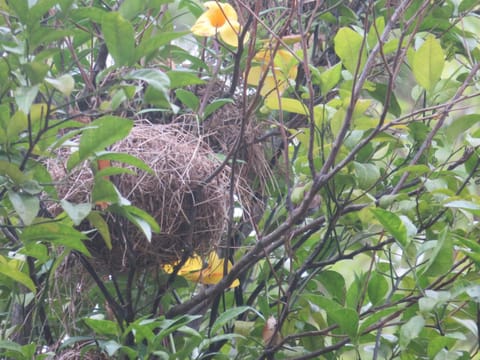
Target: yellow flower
x=219, y=18
x=196, y=270
x=279, y=73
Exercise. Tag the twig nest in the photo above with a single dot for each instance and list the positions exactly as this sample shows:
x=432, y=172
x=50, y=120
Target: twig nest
x=191, y=213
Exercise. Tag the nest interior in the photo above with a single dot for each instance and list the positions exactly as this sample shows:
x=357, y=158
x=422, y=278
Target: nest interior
x=191, y=213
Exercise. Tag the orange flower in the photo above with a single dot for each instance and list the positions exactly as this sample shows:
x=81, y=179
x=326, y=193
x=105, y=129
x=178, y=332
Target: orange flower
x=219, y=18
x=279, y=73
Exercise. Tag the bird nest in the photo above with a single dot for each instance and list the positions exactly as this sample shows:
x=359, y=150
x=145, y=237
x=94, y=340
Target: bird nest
x=191, y=213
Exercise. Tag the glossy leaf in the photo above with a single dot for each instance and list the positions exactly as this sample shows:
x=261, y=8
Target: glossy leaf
x=102, y=327
x=348, y=47
x=334, y=283
x=76, y=212
x=441, y=258
x=24, y=97
x=145, y=222
x=380, y=94
x=9, y=269
x=157, y=79
x=56, y=232
x=377, y=288
x=102, y=133
x=347, y=319
x=330, y=78
x=410, y=330
x=229, y=315
x=131, y=8
x=26, y=206
x=119, y=37
x=104, y=192
x=150, y=45
x=64, y=84
x=183, y=78
x=392, y=224
x=126, y=159
x=428, y=63
x=188, y=98
x=366, y=174
x=99, y=223
x=215, y=105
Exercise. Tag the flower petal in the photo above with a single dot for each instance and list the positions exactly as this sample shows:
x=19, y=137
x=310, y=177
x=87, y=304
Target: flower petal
x=229, y=33
x=226, y=10
x=254, y=75
x=203, y=27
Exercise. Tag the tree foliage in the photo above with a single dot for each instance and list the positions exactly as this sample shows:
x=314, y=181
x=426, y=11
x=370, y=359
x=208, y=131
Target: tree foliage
x=359, y=235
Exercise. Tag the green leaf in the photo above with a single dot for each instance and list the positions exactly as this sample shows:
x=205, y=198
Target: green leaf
x=112, y=171
x=26, y=206
x=183, y=78
x=432, y=299
x=10, y=270
x=21, y=9
x=428, y=62
x=35, y=71
x=76, y=212
x=393, y=225
x=467, y=5
x=330, y=78
x=56, y=232
x=334, y=283
x=64, y=84
x=149, y=45
x=375, y=318
x=126, y=159
x=366, y=174
x=348, y=46
x=229, y=315
x=131, y=8
x=10, y=345
x=377, y=288
x=103, y=327
x=138, y=217
x=440, y=260
x=168, y=326
x=460, y=125
x=325, y=303
x=157, y=79
x=24, y=97
x=347, y=319
x=438, y=344
x=37, y=250
x=40, y=8
x=469, y=206
x=375, y=32
x=99, y=223
x=119, y=37
x=141, y=214
x=188, y=98
x=90, y=13
x=104, y=191
x=101, y=133
x=353, y=297
x=380, y=94
x=110, y=346
x=410, y=330
x=215, y=105
x=11, y=171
